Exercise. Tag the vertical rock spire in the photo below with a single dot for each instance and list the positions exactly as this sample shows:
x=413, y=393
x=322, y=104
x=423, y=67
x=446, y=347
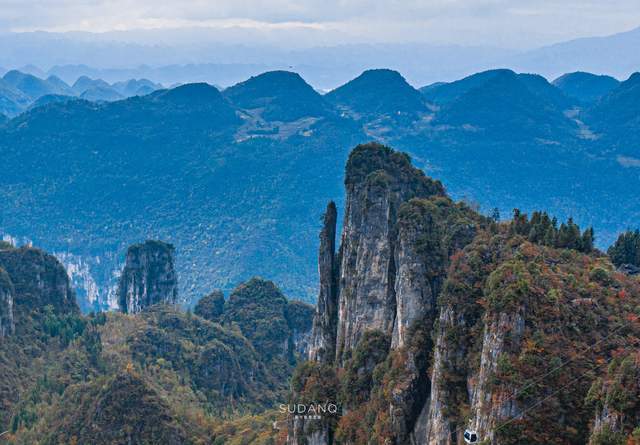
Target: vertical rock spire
x=323, y=337
x=6, y=305
x=378, y=180
x=148, y=277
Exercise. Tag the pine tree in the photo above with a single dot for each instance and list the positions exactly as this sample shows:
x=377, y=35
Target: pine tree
x=626, y=249
x=587, y=240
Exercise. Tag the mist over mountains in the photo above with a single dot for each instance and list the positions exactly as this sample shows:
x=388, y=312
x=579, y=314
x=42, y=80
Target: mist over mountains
x=181, y=56
x=20, y=91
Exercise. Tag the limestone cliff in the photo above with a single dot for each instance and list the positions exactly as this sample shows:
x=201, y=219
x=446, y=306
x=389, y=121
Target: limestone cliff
x=299, y=317
x=433, y=427
x=491, y=403
x=377, y=180
x=429, y=232
x=148, y=277
x=323, y=334
x=475, y=310
x=7, y=291
x=398, y=233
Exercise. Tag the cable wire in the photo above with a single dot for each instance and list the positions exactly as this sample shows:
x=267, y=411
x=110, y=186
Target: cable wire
x=555, y=369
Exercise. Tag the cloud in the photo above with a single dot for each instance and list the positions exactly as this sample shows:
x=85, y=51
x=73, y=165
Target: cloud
x=498, y=22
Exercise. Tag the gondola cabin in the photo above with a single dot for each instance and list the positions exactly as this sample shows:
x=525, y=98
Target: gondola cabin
x=470, y=436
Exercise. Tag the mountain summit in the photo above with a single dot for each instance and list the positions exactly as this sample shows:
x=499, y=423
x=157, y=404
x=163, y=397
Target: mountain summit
x=505, y=105
x=34, y=87
x=278, y=96
x=585, y=87
x=378, y=92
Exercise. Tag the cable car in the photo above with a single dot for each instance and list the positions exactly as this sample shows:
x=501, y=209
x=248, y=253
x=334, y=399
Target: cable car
x=470, y=436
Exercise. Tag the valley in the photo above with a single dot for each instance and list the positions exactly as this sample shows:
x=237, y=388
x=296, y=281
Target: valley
x=235, y=179
x=432, y=320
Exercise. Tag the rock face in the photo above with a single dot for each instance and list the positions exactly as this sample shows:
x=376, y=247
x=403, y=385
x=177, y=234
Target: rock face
x=323, y=340
x=491, y=403
x=378, y=180
x=428, y=232
x=472, y=310
x=433, y=426
x=148, y=277
x=299, y=317
x=308, y=434
x=7, y=291
x=397, y=235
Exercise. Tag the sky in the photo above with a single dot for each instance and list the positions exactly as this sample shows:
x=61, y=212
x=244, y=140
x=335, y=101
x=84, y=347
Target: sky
x=517, y=24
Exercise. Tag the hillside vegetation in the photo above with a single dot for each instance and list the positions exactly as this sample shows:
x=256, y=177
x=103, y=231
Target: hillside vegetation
x=159, y=376
x=520, y=330
x=235, y=180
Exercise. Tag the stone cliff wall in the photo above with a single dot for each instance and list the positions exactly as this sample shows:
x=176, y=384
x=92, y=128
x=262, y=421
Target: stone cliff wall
x=7, y=291
x=148, y=277
x=358, y=285
x=323, y=336
x=473, y=309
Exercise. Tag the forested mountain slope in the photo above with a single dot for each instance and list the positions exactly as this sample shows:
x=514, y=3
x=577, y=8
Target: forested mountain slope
x=433, y=320
x=158, y=376
x=236, y=180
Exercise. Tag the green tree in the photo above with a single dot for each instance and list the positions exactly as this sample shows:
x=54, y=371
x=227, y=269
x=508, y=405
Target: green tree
x=626, y=249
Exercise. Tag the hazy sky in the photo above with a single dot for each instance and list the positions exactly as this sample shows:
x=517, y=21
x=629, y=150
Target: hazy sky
x=503, y=23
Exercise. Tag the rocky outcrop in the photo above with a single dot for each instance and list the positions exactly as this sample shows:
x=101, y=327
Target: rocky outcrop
x=420, y=265
x=323, y=334
x=38, y=279
x=433, y=426
x=7, y=291
x=473, y=310
x=454, y=387
x=491, y=403
x=398, y=233
x=414, y=295
x=461, y=393
x=378, y=180
x=148, y=277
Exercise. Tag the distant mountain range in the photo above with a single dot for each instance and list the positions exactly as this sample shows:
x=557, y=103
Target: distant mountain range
x=199, y=56
x=20, y=91
x=611, y=55
x=235, y=179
